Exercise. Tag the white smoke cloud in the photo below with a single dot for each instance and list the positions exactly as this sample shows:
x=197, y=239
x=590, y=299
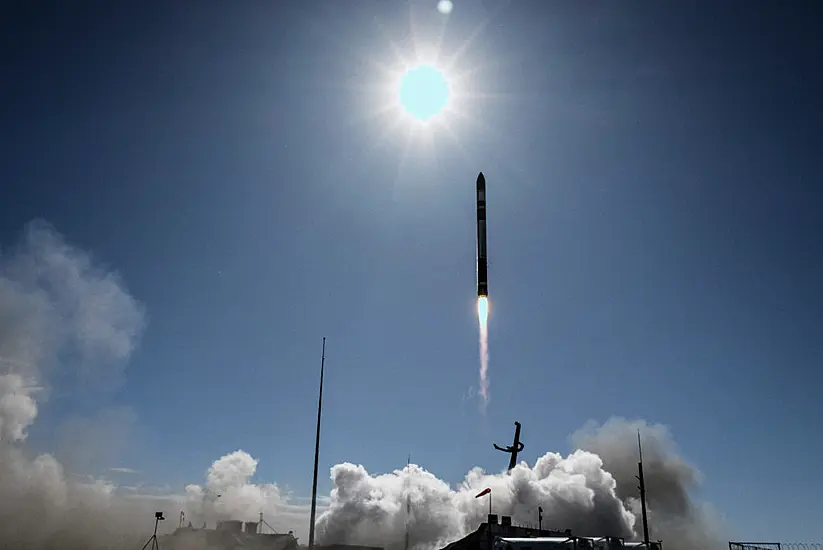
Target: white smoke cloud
x=673, y=515
x=17, y=407
x=64, y=317
x=592, y=491
x=231, y=471
x=575, y=492
x=230, y=494
x=59, y=314
x=58, y=310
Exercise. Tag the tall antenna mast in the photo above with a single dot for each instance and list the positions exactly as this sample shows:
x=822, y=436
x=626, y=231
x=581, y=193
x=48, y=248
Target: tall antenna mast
x=642, y=493
x=408, y=501
x=317, y=449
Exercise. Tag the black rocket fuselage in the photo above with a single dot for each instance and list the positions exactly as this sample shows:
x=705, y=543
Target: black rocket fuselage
x=482, y=261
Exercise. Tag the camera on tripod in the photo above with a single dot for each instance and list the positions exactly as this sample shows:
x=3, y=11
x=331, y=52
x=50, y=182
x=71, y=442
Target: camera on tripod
x=158, y=517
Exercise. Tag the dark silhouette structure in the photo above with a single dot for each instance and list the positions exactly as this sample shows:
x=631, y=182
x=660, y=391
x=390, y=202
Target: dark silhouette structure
x=757, y=545
x=501, y=526
x=642, y=492
x=317, y=450
x=514, y=448
x=158, y=517
x=229, y=535
x=482, y=260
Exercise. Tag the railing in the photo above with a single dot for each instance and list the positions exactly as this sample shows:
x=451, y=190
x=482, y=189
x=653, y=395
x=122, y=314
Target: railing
x=775, y=545
x=801, y=546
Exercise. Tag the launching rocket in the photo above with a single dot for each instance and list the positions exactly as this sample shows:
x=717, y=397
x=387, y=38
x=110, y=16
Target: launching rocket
x=482, y=288
x=482, y=262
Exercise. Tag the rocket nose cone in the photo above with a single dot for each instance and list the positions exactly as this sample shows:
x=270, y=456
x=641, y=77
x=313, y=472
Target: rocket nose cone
x=481, y=181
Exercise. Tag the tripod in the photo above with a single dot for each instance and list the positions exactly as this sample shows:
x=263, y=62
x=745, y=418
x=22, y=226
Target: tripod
x=153, y=539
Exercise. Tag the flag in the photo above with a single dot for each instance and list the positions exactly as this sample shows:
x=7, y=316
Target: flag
x=484, y=492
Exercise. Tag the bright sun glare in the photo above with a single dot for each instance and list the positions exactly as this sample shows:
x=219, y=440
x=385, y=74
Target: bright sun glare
x=423, y=92
x=425, y=86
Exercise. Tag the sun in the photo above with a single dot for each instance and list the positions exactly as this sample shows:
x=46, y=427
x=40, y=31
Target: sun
x=423, y=92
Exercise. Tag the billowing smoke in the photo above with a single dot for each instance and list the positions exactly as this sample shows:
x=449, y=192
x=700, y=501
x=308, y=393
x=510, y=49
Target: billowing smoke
x=575, y=492
x=64, y=318
x=592, y=494
x=673, y=516
x=60, y=316
x=230, y=494
x=17, y=407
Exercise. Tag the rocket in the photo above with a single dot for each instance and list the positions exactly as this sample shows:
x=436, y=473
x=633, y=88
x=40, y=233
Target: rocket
x=482, y=262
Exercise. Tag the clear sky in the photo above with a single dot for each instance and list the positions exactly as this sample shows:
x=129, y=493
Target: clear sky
x=654, y=222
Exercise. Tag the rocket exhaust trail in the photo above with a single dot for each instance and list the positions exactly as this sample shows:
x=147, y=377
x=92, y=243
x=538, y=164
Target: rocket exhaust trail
x=483, y=322
x=482, y=288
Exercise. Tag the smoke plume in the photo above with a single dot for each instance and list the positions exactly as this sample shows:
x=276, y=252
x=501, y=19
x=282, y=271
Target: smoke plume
x=60, y=317
x=673, y=516
x=66, y=320
x=63, y=318
x=591, y=491
x=229, y=494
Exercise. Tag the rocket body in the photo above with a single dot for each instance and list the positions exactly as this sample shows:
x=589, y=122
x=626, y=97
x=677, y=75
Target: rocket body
x=482, y=261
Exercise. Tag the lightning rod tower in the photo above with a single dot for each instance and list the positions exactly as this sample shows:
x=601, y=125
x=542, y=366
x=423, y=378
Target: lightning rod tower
x=642, y=492
x=317, y=449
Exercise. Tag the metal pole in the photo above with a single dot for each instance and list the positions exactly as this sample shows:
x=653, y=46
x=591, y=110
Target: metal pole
x=317, y=449
x=642, y=493
x=408, y=500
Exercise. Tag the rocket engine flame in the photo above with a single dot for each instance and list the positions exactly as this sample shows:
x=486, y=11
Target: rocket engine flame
x=483, y=322
x=483, y=310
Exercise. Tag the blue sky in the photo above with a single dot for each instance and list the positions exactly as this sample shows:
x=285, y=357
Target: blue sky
x=653, y=211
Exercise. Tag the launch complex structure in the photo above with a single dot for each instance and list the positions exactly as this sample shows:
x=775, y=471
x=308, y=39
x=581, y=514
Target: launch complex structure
x=517, y=446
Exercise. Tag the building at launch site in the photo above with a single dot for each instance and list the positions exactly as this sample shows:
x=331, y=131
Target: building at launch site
x=502, y=535
x=497, y=533
x=228, y=535
x=236, y=535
